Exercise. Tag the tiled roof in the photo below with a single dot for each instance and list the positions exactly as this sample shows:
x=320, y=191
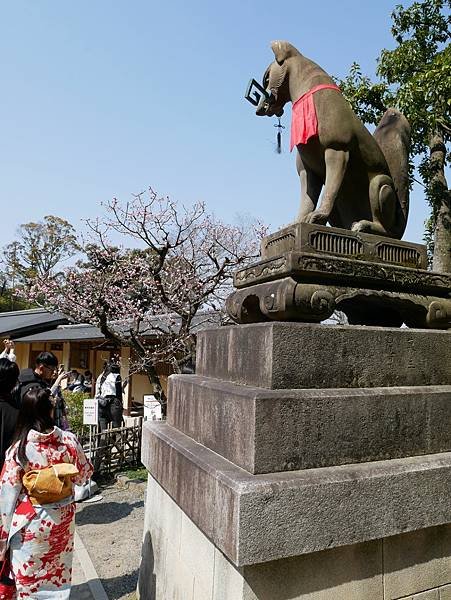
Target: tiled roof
x=51, y=328
x=65, y=333
x=24, y=322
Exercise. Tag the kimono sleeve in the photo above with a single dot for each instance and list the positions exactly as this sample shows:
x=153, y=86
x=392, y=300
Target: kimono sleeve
x=80, y=460
x=10, y=488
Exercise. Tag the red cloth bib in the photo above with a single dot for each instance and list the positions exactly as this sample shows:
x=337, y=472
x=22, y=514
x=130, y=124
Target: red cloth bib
x=304, y=123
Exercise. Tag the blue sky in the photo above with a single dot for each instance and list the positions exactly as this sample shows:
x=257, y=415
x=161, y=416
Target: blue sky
x=105, y=98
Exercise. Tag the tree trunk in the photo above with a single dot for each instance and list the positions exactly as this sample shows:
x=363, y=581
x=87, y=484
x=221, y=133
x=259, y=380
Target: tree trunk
x=441, y=261
x=157, y=388
x=442, y=241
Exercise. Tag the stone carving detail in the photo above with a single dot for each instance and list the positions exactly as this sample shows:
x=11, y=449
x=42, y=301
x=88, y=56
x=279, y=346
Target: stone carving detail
x=244, y=308
x=396, y=254
x=316, y=239
x=262, y=270
x=439, y=314
x=323, y=303
x=287, y=237
x=281, y=300
x=285, y=299
x=299, y=264
x=334, y=243
x=360, y=269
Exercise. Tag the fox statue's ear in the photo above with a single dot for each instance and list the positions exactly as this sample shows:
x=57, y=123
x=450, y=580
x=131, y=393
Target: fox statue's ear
x=282, y=50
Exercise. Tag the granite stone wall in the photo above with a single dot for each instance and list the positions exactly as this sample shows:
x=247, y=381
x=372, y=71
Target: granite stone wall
x=181, y=563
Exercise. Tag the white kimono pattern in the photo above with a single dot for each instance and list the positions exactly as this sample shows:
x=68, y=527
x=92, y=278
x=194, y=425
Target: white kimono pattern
x=40, y=538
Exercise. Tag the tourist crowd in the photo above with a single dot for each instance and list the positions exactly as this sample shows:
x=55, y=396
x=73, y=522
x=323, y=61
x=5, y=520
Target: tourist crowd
x=41, y=461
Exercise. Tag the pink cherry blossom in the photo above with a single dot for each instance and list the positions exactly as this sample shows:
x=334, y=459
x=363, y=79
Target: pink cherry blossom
x=155, y=296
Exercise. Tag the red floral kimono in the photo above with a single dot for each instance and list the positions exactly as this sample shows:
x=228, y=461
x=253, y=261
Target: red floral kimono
x=40, y=538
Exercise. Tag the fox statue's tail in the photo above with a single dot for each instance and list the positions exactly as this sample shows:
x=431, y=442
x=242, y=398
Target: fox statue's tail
x=393, y=136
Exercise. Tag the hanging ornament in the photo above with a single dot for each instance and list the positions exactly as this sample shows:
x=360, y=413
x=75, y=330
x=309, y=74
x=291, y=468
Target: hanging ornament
x=279, y=127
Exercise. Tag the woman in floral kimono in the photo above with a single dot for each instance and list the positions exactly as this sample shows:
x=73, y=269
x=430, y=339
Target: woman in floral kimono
x=37, y=525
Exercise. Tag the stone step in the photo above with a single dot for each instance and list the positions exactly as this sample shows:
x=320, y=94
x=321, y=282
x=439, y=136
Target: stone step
x=265, y=431
x=257, y=518
x=284, y=355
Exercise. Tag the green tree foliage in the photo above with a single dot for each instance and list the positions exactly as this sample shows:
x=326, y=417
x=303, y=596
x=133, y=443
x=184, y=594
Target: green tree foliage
x=415, y=77
x=39, y=250
x=74, y=407
x=8, y=300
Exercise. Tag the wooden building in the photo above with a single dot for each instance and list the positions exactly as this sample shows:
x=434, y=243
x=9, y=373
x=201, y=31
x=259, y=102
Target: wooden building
x=84, y=348
x=80, y=347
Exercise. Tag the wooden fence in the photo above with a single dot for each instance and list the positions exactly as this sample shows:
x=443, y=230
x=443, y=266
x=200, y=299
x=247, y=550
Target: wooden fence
x=113, y=450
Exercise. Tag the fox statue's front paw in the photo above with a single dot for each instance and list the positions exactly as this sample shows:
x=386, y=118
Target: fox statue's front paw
x=317, y=217
x=363, y=226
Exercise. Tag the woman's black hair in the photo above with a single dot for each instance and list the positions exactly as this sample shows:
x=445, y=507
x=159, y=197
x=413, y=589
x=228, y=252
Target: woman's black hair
x=36, y=412
x=115, y=368
x=9, y=373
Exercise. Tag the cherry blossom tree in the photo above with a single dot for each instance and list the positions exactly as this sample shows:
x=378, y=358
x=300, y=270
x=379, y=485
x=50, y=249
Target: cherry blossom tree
x=154, y=297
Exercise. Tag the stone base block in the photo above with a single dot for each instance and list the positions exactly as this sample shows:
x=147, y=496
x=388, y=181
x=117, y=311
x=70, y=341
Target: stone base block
x=181, y=563
x=266, y=431
x=259, y=518
x=318, y=239
x=307, y=271
x=288, y=300
x=285, y=355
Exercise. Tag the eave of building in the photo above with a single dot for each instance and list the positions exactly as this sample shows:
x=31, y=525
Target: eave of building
x=65, y=333
x=19, y=323
x=38, y=325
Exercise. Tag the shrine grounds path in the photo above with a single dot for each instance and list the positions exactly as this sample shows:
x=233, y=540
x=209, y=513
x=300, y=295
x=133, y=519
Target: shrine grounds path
x=111, y=532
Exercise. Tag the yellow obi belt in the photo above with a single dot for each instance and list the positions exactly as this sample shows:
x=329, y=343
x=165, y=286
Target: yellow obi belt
x=50, y=485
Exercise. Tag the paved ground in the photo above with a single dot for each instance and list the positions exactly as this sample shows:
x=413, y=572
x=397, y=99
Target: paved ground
x=110, y=532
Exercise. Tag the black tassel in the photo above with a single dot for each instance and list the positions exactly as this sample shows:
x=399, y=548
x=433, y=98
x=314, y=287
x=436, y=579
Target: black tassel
x=279, y=127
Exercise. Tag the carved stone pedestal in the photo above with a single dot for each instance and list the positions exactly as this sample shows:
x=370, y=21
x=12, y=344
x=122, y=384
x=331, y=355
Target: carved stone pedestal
x=303, y=462
x=306, y=272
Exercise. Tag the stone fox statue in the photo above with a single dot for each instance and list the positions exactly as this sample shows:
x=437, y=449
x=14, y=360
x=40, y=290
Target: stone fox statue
x=363, y=177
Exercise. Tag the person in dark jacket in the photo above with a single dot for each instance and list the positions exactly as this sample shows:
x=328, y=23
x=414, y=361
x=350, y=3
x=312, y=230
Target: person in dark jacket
x=43, y=374
x=9, y=372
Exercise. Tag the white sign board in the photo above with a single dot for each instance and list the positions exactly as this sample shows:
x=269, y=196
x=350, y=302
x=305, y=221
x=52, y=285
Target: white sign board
x=152, y=408
x=90, y=411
